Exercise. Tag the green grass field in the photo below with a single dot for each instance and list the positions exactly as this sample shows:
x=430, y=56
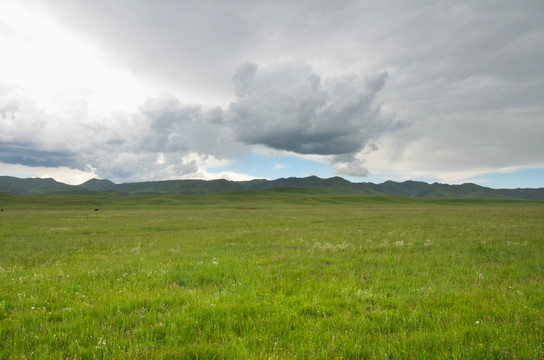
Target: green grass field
x=270, y=275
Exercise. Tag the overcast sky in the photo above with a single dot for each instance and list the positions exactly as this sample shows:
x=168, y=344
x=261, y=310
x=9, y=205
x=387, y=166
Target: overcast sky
x=133, y=90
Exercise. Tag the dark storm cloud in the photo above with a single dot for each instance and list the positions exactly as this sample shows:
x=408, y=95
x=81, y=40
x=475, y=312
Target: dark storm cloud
x=288, y=107
x=31, y=155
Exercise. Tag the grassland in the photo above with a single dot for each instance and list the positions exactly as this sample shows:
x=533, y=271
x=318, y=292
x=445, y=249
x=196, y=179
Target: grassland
x=270, y=275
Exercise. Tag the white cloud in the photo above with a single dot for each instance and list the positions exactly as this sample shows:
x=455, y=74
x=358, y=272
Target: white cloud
x=280, y=166
x=62, y=174
x=353, y=168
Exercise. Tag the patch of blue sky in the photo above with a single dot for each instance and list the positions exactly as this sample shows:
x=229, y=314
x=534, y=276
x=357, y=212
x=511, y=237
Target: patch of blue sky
x=260, y=165
x=378, y=179
x=525, y=178
x=274, y=167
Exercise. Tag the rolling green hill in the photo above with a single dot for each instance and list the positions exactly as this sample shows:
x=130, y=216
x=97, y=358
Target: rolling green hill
x=336, y=185
x=13, y=185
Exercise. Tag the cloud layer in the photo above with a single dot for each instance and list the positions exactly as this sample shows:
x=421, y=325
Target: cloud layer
x=444, y=90
x=284, y=107
x=291, y=108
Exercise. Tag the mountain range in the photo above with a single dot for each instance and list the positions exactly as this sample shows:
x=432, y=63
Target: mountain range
x=35, y=186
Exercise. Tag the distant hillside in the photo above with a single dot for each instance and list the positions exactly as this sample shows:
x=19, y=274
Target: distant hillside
x=464, y=191
x=15, y=185
x=337, y=185
x=97, y=185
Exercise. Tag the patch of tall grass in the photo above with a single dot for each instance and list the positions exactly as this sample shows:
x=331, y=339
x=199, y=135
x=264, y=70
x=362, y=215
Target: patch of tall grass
x=336, y=281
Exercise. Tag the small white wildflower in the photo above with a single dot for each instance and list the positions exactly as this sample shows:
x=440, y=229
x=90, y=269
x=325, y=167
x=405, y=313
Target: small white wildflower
x=101, y=343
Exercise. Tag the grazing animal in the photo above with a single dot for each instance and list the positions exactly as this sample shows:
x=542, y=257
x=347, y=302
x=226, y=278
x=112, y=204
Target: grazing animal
x=95, y=209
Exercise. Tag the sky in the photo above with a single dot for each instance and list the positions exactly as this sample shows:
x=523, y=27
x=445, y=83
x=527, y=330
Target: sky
x=134, y=90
